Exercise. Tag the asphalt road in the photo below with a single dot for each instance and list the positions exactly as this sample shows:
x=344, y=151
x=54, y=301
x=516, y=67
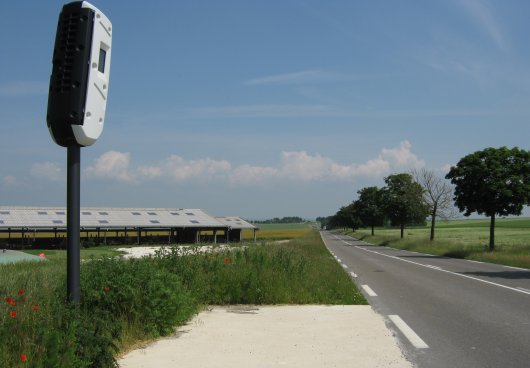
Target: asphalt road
x=445, y=312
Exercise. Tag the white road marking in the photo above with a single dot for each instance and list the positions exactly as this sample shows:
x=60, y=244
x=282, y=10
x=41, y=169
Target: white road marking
x=523, y=289
x=344, y=266
x=353, y=274
x=516, y=268
x=338, y=260
x=442, y=270
x=369, y=290
x=434, y=267
x=409, y=333
x=470, y=260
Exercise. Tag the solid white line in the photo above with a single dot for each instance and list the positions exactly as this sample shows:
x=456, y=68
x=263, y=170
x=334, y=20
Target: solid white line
x=523, y=289
x=353, y=274
x=414, y=339
x=516, y=268
x=450, y=272
x=369, y=290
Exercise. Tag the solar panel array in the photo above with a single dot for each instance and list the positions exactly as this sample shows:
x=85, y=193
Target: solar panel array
x=235, y=222
x=107, y=218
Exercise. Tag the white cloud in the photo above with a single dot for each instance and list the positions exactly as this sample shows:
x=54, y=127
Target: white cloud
x=47, y=170
x=304, y=76
x=178, y=169
x=402, y=157
x=298, y=166
x=112, y=165
x=23, y=88
x=9, y=181
x=481, y=13
x=310, y=76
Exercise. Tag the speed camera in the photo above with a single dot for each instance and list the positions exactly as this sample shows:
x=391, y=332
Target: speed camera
x=79, y=82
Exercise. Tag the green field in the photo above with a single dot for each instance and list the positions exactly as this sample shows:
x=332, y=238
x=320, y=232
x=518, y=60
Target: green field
x=278, y=231
x=462, y=239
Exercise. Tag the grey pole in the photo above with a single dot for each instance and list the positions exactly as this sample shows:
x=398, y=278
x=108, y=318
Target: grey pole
x=73, y=190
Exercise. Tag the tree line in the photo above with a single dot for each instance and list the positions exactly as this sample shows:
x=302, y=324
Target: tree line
x=283, y=220
x=492, y=182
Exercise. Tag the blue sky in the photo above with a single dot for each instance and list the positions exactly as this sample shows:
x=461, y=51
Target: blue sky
x=268, y=108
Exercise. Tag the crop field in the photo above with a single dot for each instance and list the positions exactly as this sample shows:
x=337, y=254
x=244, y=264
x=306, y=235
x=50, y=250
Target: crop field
x=467, y=239
x=278, y=231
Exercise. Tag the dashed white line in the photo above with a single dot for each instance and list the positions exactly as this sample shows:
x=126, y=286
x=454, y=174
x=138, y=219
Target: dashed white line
x=409, y=333
x=369, y=290
x=353, y=274
x=344, y=266
x=433, y=267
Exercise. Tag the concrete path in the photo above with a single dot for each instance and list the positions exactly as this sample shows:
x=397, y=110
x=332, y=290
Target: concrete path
x=276, y=336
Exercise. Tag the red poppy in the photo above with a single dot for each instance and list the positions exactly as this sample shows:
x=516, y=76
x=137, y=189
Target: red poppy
x=21, y=292
x=227, y=260
x=24, y=358
x=13, y=314
x=13, y=303
x=8, y=299
x=106, y=289
x=35, y=307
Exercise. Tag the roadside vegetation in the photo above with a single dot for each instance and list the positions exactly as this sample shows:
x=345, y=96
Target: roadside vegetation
x=126, y=302
x=466, y=239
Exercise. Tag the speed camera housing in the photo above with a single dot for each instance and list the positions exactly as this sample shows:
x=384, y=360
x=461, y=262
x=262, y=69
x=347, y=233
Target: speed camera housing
x=79, y=82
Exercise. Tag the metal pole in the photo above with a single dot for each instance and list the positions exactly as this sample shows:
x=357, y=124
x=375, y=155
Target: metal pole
x=73, y=190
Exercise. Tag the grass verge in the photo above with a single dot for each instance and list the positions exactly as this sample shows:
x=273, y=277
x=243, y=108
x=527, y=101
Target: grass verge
x=124, y=302
x=512, y=244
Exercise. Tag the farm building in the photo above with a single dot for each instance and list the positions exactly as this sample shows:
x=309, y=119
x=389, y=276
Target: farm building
x=47, y=225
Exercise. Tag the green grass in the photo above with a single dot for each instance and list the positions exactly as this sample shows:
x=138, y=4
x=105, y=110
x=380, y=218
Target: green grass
x=278, y=231
x=466, y=239
x=127, y=301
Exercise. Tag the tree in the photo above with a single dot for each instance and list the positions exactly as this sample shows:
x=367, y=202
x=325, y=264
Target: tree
x=438, y=194
x=403, y=201
x=369, y=207
x=346, y=217
x=494, y=181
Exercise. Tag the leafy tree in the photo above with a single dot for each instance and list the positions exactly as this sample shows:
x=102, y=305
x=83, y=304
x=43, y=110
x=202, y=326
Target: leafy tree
x=494, y=181
x=346, y=217
x=438, y=194
x=369, y=207
x=403, y=201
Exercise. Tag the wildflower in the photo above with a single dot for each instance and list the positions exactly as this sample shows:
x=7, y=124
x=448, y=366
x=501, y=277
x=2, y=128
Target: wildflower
x=21, y=292
x=35, y=307
x=24, y=357
x=42, y=255
x=106, y=289
x=8, y=299
x=13, y=314
x=227, y=260
x=12, y=303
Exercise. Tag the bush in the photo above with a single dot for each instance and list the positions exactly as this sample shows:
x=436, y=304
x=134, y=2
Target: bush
x=137, y=292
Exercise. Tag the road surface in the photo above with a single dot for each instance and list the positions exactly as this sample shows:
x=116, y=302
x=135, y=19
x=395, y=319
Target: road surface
x=445, y=312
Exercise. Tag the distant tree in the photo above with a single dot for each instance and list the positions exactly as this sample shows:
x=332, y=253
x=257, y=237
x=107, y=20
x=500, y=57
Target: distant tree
x=369, y=207
x=346, y=217
x=403, y=201
x=494, y=181
x=438, y=194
